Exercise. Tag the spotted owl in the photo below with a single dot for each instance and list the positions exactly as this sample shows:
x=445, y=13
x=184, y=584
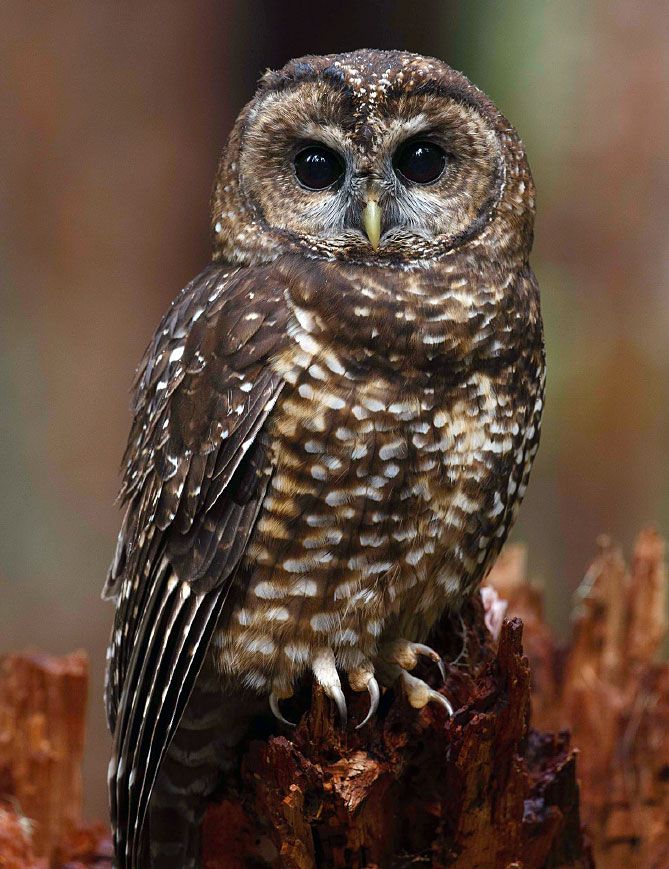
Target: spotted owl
x=333, y=425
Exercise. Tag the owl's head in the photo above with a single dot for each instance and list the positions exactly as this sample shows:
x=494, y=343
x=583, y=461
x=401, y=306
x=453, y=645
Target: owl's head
x=379, y=157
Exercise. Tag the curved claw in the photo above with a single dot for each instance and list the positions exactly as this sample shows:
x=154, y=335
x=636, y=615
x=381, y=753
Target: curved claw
x=422, y=649
x=374, y=695
x=274, y=706
x=436, y=697
x=336, y=694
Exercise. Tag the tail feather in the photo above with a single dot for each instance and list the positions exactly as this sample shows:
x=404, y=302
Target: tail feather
x=205, y=747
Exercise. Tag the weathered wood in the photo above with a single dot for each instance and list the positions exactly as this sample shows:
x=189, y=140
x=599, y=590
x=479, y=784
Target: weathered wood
x=413, y=788
x=42, y=723
x=42, y=715
x=611, y=690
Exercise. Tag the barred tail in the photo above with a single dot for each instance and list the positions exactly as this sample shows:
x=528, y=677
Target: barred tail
x=205, y=748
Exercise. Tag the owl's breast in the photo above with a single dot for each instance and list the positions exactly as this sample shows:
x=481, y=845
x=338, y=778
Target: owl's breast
x=387, y=495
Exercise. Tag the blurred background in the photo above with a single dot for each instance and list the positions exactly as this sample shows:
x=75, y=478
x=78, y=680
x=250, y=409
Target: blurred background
x=112, y=118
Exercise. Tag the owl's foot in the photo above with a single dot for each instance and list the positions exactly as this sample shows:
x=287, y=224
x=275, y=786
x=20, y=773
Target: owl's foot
x=324, y=668
x=397, y=658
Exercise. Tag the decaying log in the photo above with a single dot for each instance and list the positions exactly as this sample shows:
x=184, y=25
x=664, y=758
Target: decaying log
x=412, y=788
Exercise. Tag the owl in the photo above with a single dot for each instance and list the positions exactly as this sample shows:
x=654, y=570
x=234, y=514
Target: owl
x=333, y=425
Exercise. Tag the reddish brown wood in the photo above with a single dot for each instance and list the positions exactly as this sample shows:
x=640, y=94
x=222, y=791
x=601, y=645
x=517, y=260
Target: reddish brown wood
x=42, y=719
x=478, y=790
x=42, y=710
x=610, y=688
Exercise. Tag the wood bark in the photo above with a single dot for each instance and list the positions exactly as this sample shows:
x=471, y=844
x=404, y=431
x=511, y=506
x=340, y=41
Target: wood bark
x=610, y=688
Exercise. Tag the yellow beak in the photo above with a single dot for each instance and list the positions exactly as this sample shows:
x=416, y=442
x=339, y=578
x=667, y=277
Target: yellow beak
x=371, y=220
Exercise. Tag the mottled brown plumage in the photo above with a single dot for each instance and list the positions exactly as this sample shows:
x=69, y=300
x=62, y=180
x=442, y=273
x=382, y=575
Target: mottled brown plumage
x=330, y=441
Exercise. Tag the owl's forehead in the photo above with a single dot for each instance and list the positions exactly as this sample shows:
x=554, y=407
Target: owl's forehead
x=369, y=91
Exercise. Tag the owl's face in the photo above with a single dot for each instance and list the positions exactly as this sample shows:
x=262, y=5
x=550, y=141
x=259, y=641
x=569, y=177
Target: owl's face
x=367, y=157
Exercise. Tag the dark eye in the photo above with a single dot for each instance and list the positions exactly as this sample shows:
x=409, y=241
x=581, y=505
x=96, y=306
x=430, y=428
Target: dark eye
x=420, y=162
x=317, y=167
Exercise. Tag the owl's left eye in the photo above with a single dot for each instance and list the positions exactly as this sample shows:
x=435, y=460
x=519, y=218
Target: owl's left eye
x=318, y=167
x=421, y=162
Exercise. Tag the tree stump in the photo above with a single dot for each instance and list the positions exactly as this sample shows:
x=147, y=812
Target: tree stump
x=610, y=688
x=480, y=789
x=42, y=723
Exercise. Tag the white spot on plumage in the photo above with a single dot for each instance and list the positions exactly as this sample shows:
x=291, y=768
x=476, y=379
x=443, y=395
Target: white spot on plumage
x=414, y=556
x=323, y=621
x=297, y=565
x=277, y=614
x=298, y=653
x=304, y=588
x=346, y=637
x=336, y=497
x=268, y=591
x=333, y=401
x=263, y=645
x=396, y=449
x=373, y=404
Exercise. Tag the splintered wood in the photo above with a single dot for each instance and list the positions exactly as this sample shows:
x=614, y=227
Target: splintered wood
x=414, y=788
x=610, y=689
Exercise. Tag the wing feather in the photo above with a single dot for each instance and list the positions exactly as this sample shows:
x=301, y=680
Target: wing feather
x=196, y=472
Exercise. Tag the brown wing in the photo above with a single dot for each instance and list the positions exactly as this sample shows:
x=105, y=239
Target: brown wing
x=196, y=471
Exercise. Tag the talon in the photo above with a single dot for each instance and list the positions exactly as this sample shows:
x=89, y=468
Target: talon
x=324, y=669
x=436, y=697
x=420, y=694
x=374, y=695
x=335, y=693
x=274, y=706
x=405, y=654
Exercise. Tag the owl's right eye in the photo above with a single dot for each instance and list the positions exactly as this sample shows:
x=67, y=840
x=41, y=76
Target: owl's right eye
x=317, y=167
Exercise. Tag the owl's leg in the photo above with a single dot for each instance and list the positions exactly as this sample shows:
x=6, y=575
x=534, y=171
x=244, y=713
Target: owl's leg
x=395, y=660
